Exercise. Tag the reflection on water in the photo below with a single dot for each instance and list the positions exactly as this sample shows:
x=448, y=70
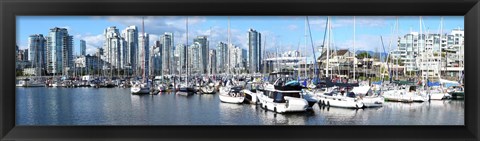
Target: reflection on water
x=116, y=106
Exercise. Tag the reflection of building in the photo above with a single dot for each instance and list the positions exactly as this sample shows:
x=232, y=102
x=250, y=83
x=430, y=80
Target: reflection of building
x=59, y=51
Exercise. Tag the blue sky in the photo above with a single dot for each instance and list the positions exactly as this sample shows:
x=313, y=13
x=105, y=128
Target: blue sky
x=283, y=32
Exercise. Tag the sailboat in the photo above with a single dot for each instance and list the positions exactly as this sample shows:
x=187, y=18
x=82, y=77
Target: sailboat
x=142, y=87
x=337, y=97
x=230, y=92
x=184, y=88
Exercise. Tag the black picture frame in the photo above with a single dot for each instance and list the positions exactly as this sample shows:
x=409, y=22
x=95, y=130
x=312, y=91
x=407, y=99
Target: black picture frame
x=11, y=8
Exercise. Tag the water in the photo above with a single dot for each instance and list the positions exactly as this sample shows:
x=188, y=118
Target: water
x=116, y=106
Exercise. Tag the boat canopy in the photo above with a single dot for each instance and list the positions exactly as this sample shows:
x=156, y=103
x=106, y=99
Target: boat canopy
x=448, y=83
x=361, y=90
x=431, y=84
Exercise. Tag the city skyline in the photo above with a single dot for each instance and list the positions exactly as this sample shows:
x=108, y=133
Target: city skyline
x=285, y=31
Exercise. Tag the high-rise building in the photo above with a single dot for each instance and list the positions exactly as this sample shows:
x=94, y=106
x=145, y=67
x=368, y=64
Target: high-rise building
x=155, y=62
x=36, y=45
x=83, y=47
x=203, y=43
x=181, y=54
x=195, y=59
x=222, y=57
x=254, y=51
x=234, y=64
x=22, y=55
x=130, y=34
x=412, y=45
x=16, y=52
x=59, y=51
x=167, y=44
x=212, y=63
x=143, y=54
x=114, y=48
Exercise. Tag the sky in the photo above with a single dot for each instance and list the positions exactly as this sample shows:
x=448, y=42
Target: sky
x=283, y=32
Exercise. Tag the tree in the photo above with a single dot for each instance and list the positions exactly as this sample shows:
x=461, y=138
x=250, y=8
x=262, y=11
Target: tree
x=364, y=55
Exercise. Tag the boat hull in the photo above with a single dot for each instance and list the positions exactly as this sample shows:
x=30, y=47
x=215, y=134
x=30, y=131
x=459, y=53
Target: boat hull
x=231, y=99
x=341, y=102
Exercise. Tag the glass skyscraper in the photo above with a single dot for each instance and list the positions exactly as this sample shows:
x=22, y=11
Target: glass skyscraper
x=59, y=51
x=254, y=50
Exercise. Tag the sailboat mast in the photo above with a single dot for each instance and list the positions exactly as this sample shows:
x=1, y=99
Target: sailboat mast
x=328, y=46
x=305, y=73
x=186, y=48
x=228, y=46
x=354, y=49
x=143, y=46
x=440, y=47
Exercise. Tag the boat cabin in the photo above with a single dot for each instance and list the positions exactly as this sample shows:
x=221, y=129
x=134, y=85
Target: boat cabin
x=279, y=96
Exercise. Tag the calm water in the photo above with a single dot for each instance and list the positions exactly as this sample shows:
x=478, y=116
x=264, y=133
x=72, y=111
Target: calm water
x=116, y=106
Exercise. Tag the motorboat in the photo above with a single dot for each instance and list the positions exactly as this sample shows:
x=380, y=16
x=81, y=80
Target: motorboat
x=457, y=92
x=282, y=98
x=250, y=92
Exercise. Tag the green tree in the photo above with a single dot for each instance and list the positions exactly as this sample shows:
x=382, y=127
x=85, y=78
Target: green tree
x=364, y=55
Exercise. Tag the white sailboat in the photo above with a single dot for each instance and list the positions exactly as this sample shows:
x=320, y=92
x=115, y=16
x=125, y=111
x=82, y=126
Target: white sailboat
x=231, y=94
x=333, y=96
x=184, y=88
x=142, y=87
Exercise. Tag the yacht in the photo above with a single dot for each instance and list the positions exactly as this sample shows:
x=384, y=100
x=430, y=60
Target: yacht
x=282, y=98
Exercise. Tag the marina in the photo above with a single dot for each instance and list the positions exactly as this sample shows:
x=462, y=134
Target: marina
x=117, y=106
x=418, y=81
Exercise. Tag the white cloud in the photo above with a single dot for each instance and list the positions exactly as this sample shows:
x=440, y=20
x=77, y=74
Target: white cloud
x=93, y=42
x=292, y=27
x=319, y=22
